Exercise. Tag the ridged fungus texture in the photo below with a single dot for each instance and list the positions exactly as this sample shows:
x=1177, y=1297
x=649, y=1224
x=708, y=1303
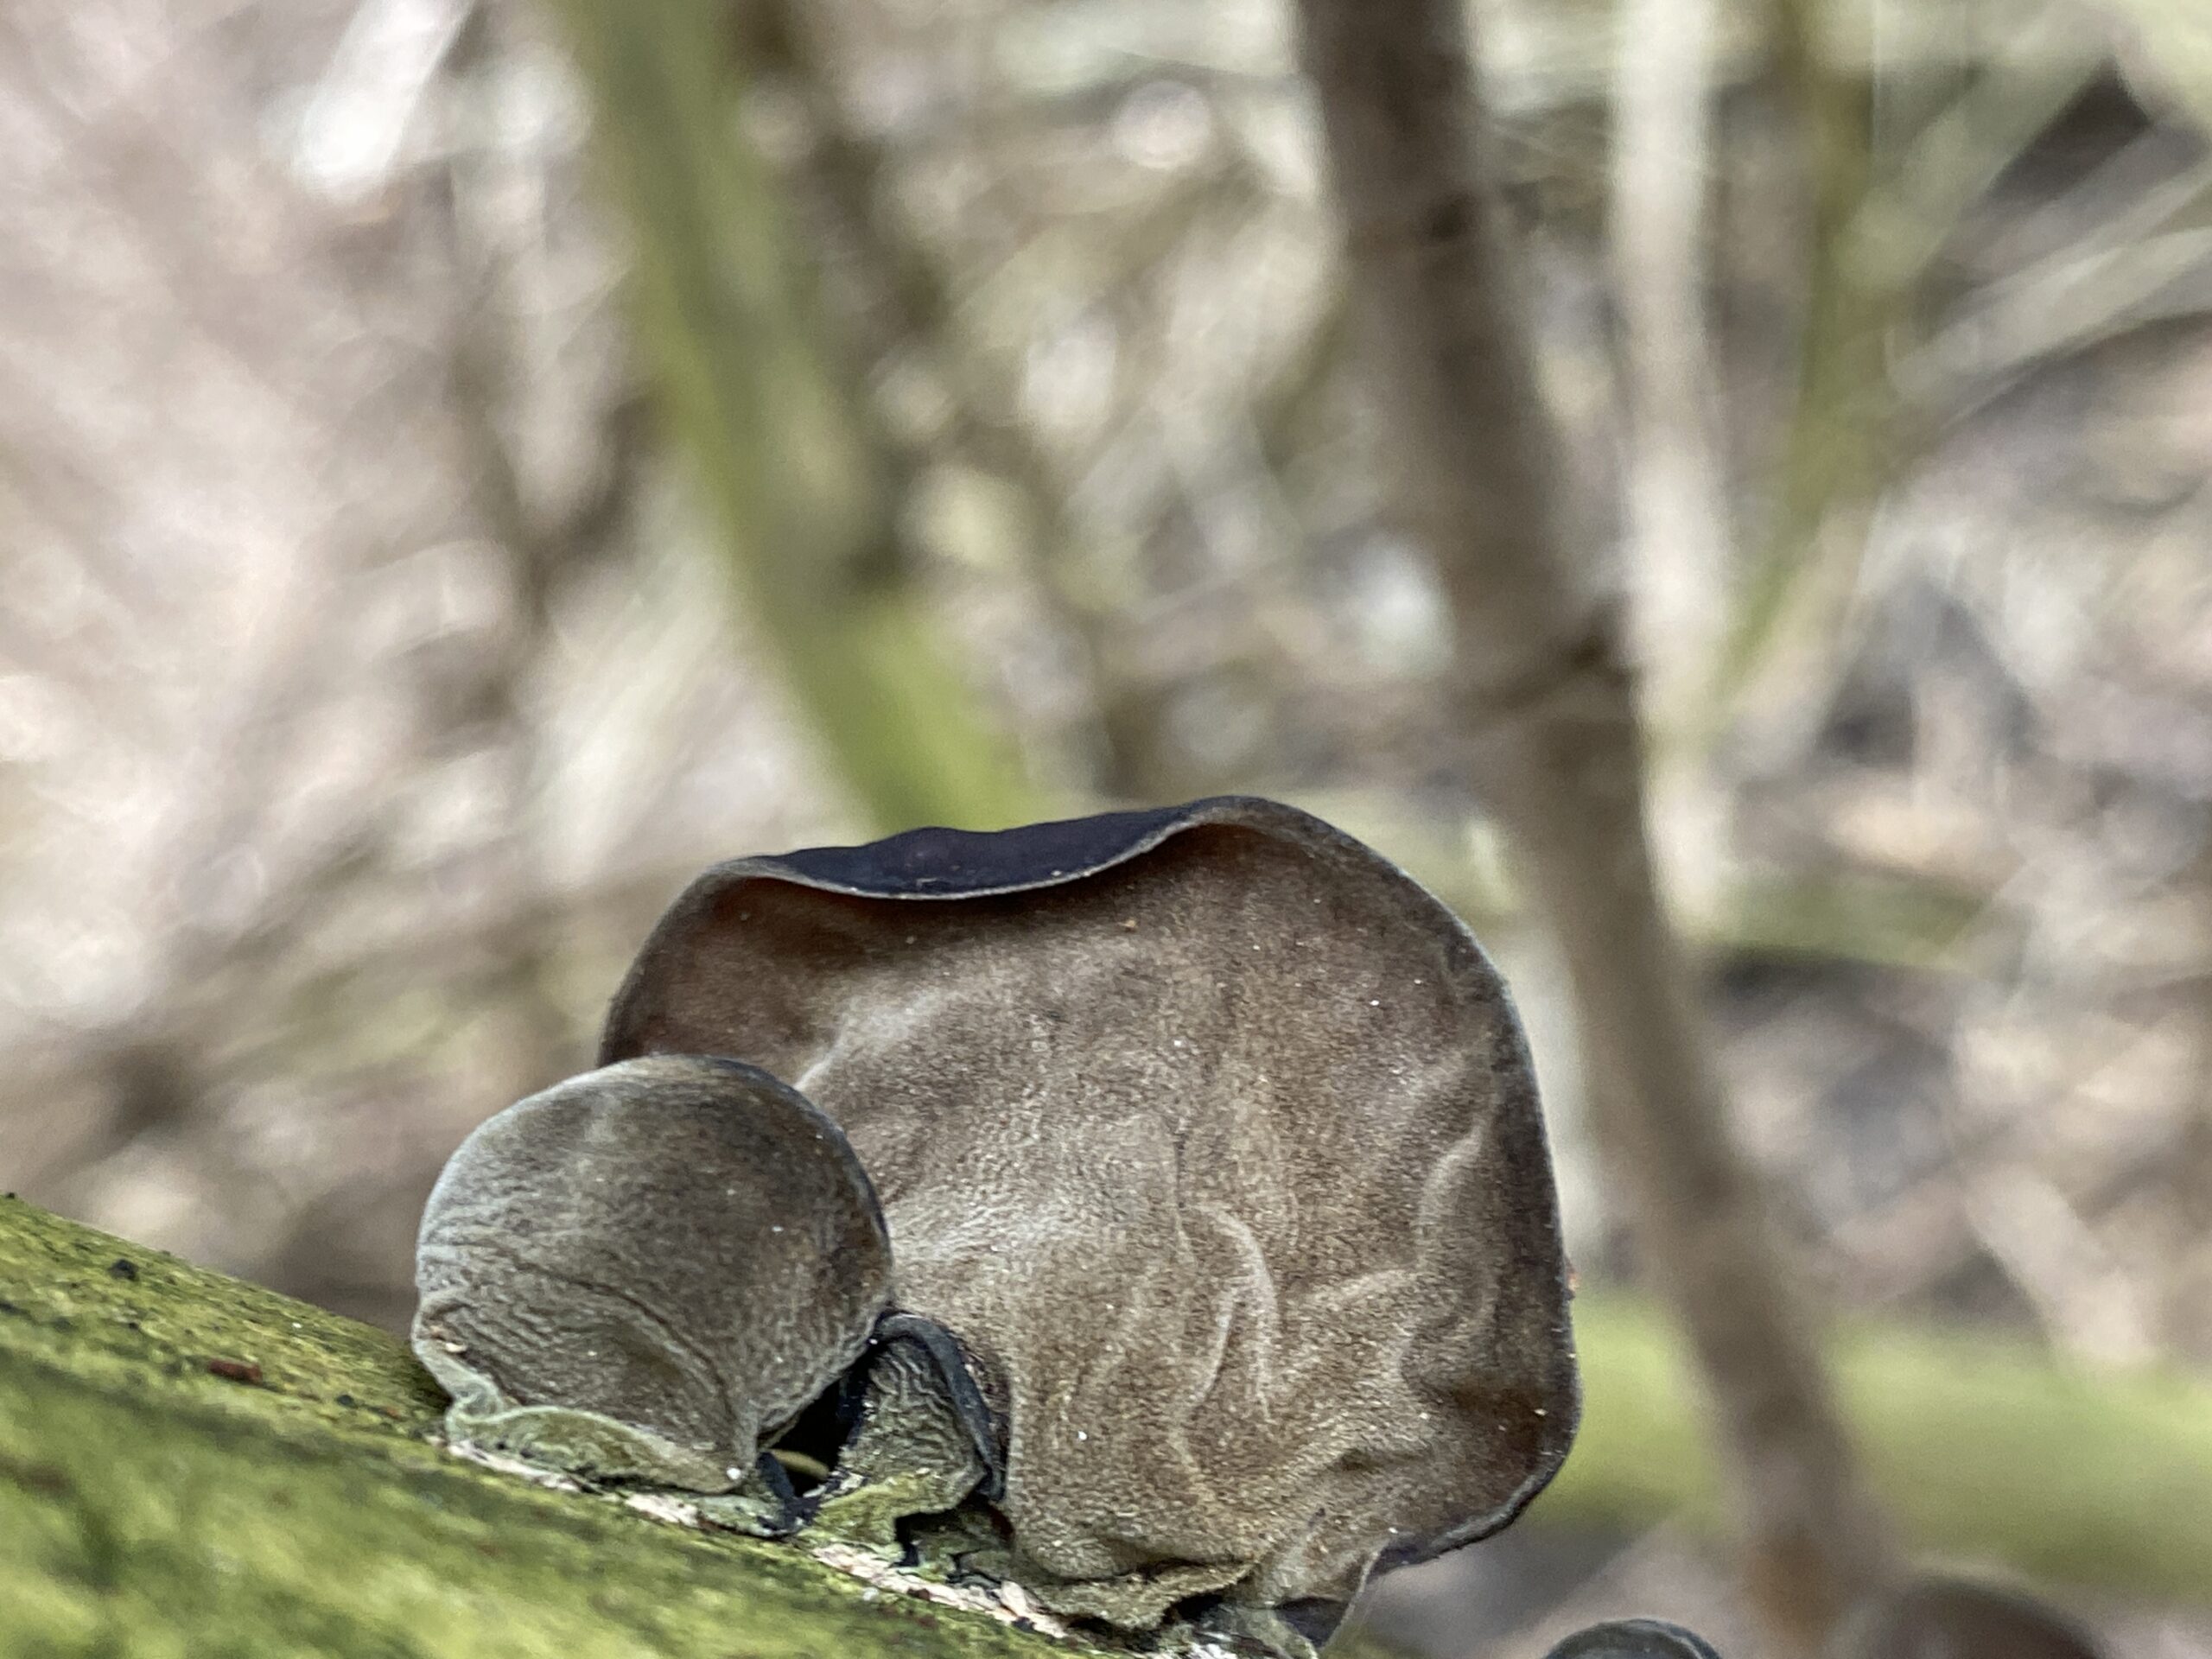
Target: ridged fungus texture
x=1209, y=1152
x=647, y=1272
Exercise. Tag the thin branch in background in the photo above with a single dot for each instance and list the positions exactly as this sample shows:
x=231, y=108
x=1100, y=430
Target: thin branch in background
x=2109, y=281
x=1678, y=528
x=783, y=445
x=484, y=705
x=2186, y=1306
x=1836, y=444
x=1872, y=232
x=1554, y=745
x=906, y=307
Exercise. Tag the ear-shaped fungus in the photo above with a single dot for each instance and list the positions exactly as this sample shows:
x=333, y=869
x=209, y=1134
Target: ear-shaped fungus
x=1213, y=1138
x=647, y=1271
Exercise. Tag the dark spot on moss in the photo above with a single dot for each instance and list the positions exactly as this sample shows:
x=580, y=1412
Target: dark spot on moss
x=40, y=1478
x=123, y=1268
x=345, y=1399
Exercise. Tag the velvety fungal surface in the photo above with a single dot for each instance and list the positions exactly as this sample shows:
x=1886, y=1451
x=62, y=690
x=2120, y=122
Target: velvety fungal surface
x=1212, y=1137
x=648, y=1270
x=912, y=1452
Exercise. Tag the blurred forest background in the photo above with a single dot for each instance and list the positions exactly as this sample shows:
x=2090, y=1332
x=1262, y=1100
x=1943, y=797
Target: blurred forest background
x=425, y=547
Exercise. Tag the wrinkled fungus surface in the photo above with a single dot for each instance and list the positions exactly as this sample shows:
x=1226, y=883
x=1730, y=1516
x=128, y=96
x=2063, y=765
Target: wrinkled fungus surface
x=1223, y=1253
x=647, y=1271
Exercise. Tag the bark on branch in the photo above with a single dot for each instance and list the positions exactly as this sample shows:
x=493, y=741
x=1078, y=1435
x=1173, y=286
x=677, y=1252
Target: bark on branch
x=189, y=1463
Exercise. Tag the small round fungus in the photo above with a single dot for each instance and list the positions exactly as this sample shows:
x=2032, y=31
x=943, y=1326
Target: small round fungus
x=646, y=1272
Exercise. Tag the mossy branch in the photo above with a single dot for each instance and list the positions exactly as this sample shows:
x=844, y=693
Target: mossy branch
x=188, y=1464
x=193, y=1466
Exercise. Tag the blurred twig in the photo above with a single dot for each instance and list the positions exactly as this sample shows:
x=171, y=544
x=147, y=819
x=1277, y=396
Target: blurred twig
x=1836, y=442
x=905, y=306
x=2070, y=299
x=1871, y=237
x=1679, y=538
x=784, y=447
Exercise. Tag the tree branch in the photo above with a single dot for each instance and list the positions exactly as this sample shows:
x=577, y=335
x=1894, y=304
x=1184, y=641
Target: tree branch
x=151, y=1500
x=1554, y=746
x=191, y=1464
x=804, y=492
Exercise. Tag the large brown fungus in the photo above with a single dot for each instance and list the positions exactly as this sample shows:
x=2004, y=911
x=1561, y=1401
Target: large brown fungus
x=646, y=1272
x=1210, y=1139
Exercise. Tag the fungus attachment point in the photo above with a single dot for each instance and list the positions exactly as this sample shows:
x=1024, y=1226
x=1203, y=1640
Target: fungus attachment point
x=1214, y=1139
x=645, y=1272
x=921, y=1445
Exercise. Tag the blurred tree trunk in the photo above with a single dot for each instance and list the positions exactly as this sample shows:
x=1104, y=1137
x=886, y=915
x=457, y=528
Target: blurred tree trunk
x=1553, y=744
x=804, y=492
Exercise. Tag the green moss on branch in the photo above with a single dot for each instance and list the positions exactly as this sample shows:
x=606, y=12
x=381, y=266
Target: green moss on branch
x=189, y=1465
x=193, y=1466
